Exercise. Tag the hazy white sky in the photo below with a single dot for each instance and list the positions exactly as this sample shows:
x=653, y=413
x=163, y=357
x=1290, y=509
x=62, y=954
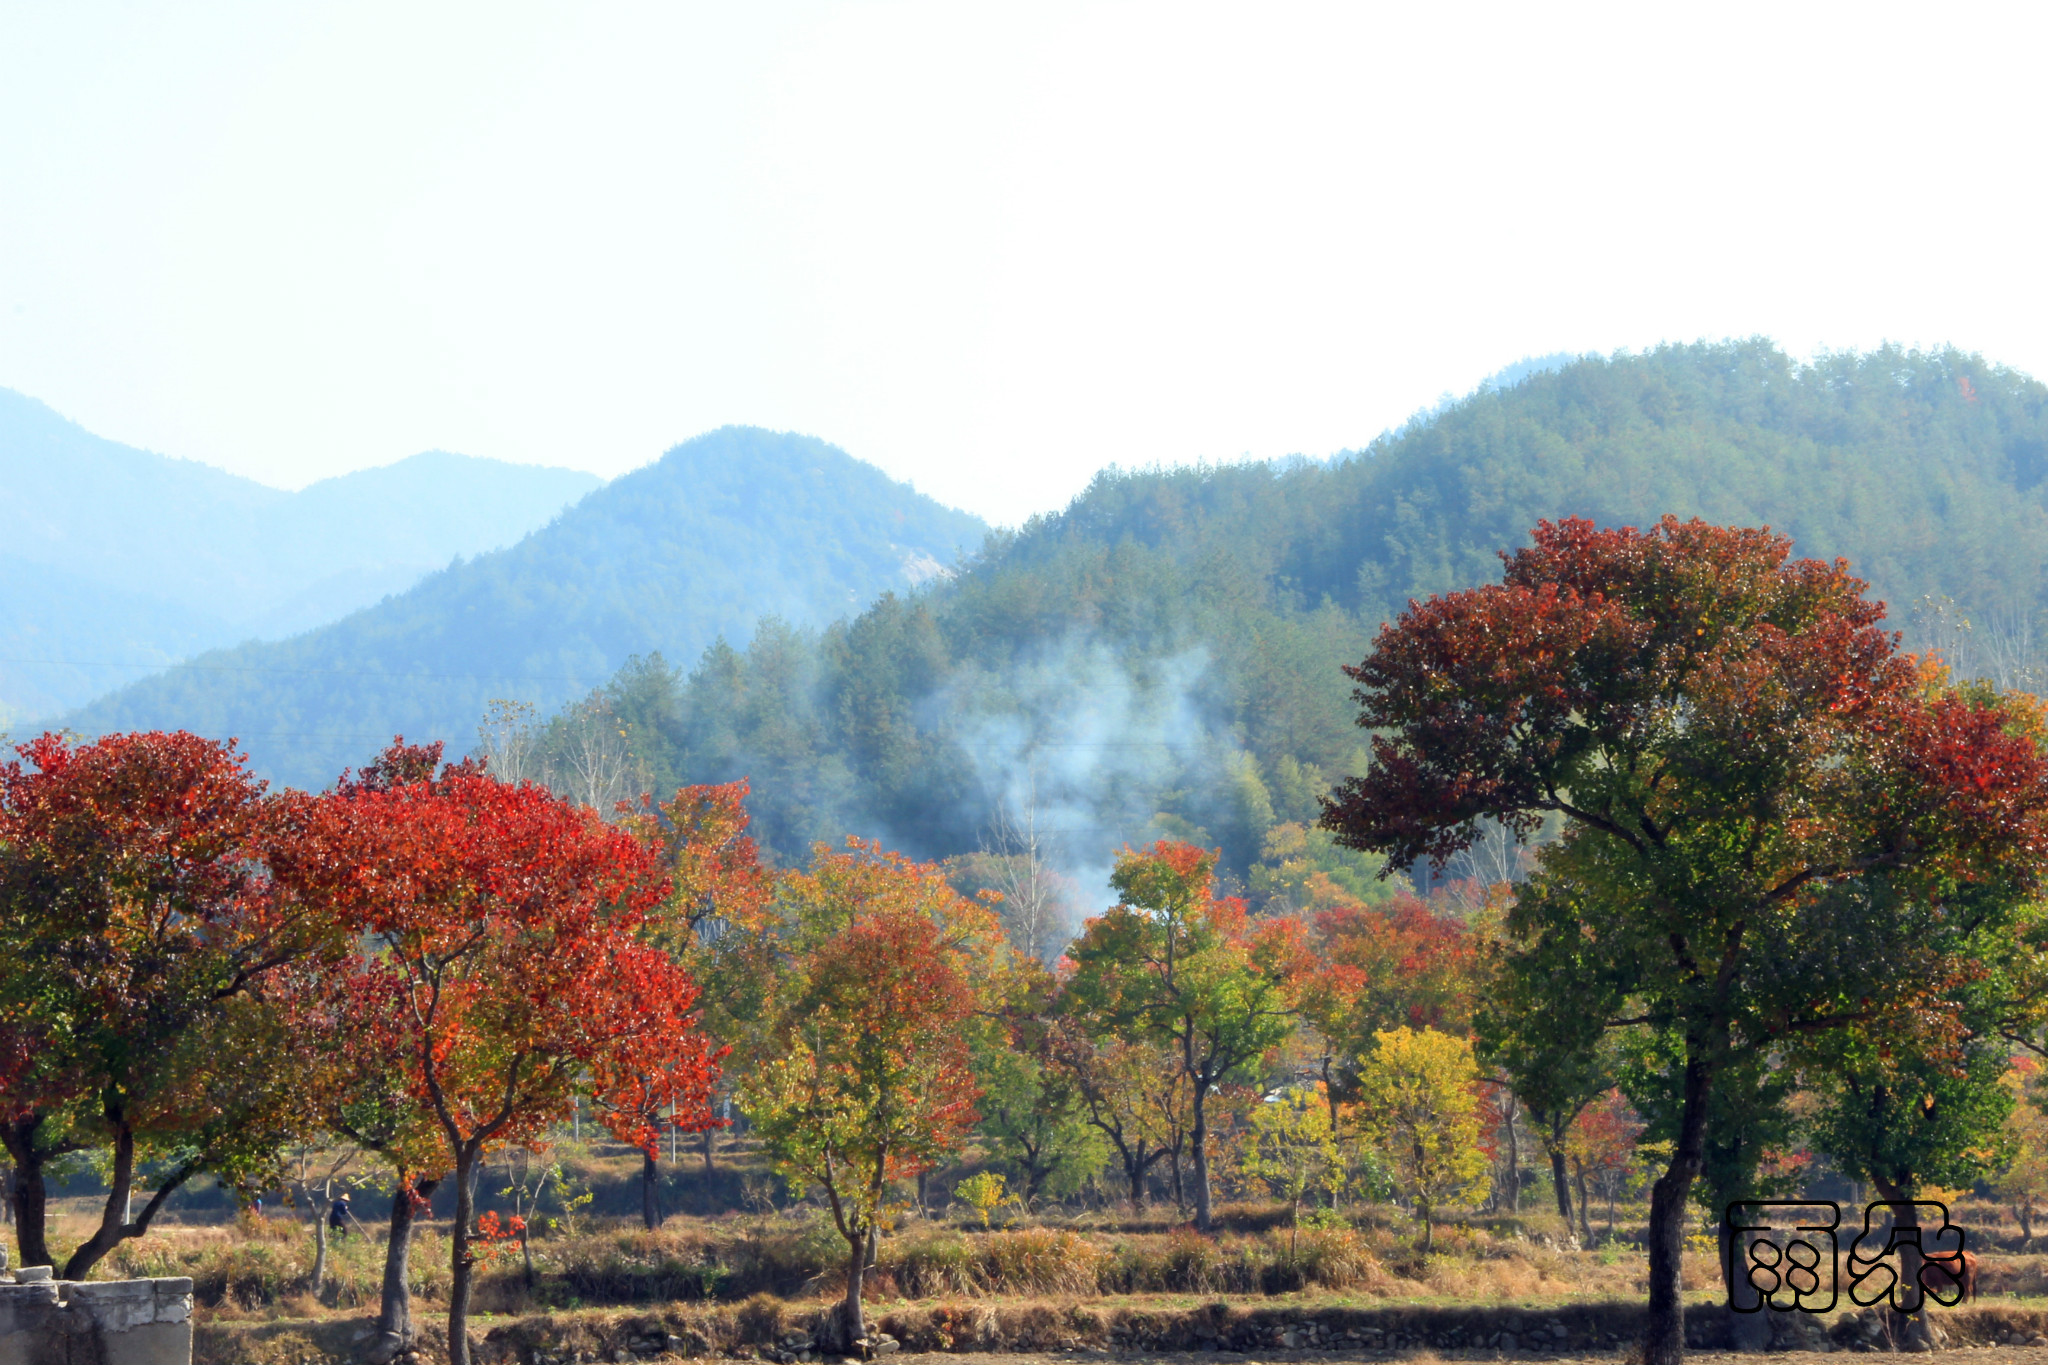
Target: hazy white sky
x=989, y=248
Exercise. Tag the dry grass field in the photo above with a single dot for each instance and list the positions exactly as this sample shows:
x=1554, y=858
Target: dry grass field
x=1071, y=1283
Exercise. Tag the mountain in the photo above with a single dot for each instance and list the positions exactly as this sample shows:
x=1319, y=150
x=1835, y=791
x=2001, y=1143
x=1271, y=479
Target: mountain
x=723, y=530
x=120, y=561
x=1164, y=657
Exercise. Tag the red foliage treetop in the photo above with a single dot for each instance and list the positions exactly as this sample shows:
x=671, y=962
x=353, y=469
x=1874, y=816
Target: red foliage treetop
x=508, y=972
x=1646, y=684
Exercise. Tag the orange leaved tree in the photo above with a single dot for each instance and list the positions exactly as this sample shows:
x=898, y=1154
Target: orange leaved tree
x=718, y=920
x=871, y=1081
x=1174, y=964
x=505, y=976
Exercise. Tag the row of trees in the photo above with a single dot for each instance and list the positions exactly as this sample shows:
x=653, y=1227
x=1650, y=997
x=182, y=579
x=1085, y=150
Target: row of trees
x=1782, y=858
x=196, y=975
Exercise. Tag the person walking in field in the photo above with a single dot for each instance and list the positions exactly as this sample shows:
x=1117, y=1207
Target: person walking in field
x=339, y=1216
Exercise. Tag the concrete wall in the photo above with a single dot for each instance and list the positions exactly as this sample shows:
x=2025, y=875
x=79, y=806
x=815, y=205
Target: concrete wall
x=118, y=1322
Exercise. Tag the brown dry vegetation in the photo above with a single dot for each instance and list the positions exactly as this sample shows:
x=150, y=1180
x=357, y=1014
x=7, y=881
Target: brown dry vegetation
x=739, y=1284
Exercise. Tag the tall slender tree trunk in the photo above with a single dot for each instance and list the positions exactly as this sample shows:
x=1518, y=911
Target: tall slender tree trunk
x=1198, y=1136
x=1135, y=1170
x=1514, y=1190
x=462, y=1265
x=1664, y=1334
x=29, y=1198
x=319, y=1276
x=394, y=1317
x=710, y=1146
x=1585, y=1213
x=1561, y=1179
x=650, y=1207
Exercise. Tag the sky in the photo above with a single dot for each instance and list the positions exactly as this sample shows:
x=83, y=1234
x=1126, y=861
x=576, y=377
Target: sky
x=989, y=248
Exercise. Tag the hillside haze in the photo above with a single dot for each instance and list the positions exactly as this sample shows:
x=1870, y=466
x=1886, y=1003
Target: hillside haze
x=121, y=560
x=723, y=530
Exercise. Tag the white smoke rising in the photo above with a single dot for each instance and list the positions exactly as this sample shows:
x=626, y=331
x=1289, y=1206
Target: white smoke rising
x=1080, y=745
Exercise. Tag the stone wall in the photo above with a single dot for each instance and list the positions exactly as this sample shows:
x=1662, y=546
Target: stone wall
x=118, y=1322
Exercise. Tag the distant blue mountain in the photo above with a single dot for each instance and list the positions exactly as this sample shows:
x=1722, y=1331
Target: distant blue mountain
x=118, y=560
x=723, y=530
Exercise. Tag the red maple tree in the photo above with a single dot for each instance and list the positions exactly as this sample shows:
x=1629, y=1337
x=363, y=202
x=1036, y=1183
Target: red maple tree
x=1770, y=814
x=505, y=975
x=139, y=930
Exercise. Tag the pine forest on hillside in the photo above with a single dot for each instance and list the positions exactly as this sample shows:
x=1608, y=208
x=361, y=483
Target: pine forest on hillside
x=1164, y=659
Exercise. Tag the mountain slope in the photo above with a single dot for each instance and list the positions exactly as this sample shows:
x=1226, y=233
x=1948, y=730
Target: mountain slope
x=722, y=530
x=1164, y=656
x=153, y=558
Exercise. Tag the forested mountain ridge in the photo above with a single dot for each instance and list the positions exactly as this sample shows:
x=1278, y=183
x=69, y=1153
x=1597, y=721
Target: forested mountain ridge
x=723, y=529
x=120, y=560
x=1164, y=657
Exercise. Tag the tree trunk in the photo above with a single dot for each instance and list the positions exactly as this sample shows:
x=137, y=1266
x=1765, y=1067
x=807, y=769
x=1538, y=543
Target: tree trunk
x=1561, y=1181
x=1664, y=1334
x=29, y=1198
x=394, y=1317
x=1136, y=1169
x=924, y=1191
x=1508, y=1108
x=1180, y=1198
x=650, y=1209
x=710, y=1144
x=113, y=1223
x=852, y=1327
x=1422, y=1211
x=1585, y=1213
x=462, y=1266
x=2024, y=1212
x=1198, y=1137
x=319, y=1276
x=1909, y=1326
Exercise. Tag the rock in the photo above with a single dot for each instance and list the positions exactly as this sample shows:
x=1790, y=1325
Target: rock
x=384, y=1348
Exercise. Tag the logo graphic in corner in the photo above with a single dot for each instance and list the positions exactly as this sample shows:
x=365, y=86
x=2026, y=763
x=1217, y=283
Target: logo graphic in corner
x=1784, y=1255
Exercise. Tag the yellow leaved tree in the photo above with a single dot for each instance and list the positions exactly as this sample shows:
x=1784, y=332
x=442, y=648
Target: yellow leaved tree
x=1417, y=1102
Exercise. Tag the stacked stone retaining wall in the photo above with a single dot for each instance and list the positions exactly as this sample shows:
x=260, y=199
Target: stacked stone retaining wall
x=118, y=1322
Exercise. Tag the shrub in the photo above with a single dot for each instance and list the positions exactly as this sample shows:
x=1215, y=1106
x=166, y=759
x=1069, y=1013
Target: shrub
x=759, y=1320
x=1040, y=1261
x=931, y=1267
x=1335, y=1258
